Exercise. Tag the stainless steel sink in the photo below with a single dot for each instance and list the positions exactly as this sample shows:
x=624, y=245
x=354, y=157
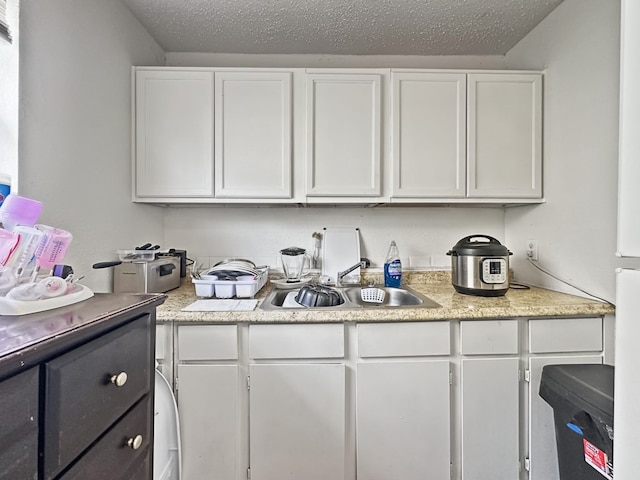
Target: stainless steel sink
x=393, y=297
x=403, y=297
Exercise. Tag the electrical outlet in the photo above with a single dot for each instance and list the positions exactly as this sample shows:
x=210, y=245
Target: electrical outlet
x=532, y=249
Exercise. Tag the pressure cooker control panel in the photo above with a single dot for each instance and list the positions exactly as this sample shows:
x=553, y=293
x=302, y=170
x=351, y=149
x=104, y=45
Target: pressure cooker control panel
x=494, y=270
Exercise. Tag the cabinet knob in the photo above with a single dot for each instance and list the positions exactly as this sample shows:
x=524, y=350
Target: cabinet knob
x=120, y=379
x=135, y=443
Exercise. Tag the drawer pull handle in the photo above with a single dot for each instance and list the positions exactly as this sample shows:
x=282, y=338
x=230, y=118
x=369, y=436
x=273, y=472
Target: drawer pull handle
x=135, y=443
x=120, y=379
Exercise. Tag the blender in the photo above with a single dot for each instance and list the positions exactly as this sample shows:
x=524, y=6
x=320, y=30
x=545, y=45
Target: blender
x=293, y=259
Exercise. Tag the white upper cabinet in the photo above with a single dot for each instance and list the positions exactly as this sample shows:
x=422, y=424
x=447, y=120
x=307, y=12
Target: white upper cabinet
x=340, y=136
x=174, y=134
x=253, y=121
x=504, y=135
x=207, y=136
x=429, y=134
x=343, y=135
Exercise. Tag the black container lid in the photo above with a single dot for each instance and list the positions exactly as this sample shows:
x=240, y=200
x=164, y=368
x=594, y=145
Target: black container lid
x=586, y=387
x=293, y=251
x=480, y=245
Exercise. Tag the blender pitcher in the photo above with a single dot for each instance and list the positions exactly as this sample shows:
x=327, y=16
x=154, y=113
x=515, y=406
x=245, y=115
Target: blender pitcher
x=293, y=259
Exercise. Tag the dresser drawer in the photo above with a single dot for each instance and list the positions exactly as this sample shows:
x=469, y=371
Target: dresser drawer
x=115, y=452
x=488, y=337
x=83, y=398
x=404, y=339
x=19, y=426
x=566, y=335
x=296, y=341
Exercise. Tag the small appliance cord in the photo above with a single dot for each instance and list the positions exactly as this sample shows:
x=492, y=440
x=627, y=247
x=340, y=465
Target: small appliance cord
x=567, y=282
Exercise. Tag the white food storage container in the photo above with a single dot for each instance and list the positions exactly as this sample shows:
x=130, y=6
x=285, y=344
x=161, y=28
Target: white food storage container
x=205, y=287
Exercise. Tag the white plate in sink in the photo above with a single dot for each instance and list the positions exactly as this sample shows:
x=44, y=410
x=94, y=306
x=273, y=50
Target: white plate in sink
x=283, y=283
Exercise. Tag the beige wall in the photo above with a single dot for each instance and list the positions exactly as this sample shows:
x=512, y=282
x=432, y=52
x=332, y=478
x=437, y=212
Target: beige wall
x=578, y=46
x=75, y=127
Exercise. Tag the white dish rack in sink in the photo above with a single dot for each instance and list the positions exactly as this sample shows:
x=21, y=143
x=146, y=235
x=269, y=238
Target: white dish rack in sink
x=246, y=286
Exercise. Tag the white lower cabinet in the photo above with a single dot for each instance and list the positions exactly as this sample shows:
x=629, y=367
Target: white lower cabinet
x=297, y=421
x=297, y=402
x=373, y=401
x=164, y=350
x=555, y=341
x=543, y=457
x=208, y=394
x=490, y=400
x=403, y=420
x=208, y=409
x=403, y=401
x=490, y=418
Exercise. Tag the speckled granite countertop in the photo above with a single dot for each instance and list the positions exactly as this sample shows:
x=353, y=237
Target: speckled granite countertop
x=533, y=302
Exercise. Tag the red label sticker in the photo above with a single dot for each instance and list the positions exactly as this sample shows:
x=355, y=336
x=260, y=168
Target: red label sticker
x=597, y=459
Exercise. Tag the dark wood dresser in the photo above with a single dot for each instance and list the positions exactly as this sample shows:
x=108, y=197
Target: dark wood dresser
x=76, y=395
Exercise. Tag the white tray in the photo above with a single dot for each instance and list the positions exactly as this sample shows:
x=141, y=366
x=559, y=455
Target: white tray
x=20, y=307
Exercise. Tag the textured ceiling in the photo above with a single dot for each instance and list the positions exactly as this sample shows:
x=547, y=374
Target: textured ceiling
x=341, y=27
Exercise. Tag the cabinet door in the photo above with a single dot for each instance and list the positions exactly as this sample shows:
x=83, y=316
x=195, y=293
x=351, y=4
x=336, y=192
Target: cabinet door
x=628, y=164
x=208, y=399
x=429, y=134
x=403, y=420
x=343, y=135
x=543, y=457
x=505, y=135
x=566, y=335
x=297, y=421
x=490, y=418
x=164, y=350
x=174, y=134
x=19, y=426
x=253, y=134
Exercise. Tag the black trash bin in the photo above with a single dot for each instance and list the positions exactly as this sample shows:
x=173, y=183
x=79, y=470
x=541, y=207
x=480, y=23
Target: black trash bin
x=582, y=399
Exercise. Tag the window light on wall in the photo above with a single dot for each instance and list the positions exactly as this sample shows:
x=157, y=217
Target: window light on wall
x=5, y=34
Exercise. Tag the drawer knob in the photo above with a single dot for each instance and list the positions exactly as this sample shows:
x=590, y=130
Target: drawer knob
x=120, y=379
x=135, y=443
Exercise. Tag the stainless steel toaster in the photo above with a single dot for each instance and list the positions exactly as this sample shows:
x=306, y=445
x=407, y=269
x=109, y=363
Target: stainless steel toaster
x=154, y=276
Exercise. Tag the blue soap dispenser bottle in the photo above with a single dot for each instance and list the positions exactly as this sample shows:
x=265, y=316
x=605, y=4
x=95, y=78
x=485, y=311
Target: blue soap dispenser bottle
x=392, y=267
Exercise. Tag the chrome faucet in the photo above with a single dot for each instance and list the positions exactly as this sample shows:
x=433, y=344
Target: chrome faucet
x=346, y=272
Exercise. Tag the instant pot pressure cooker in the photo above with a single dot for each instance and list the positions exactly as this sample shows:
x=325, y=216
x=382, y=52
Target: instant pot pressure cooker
x=480, y=266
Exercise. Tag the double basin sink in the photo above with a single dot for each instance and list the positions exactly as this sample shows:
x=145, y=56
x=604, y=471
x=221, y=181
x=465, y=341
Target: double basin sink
x=353, y=298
